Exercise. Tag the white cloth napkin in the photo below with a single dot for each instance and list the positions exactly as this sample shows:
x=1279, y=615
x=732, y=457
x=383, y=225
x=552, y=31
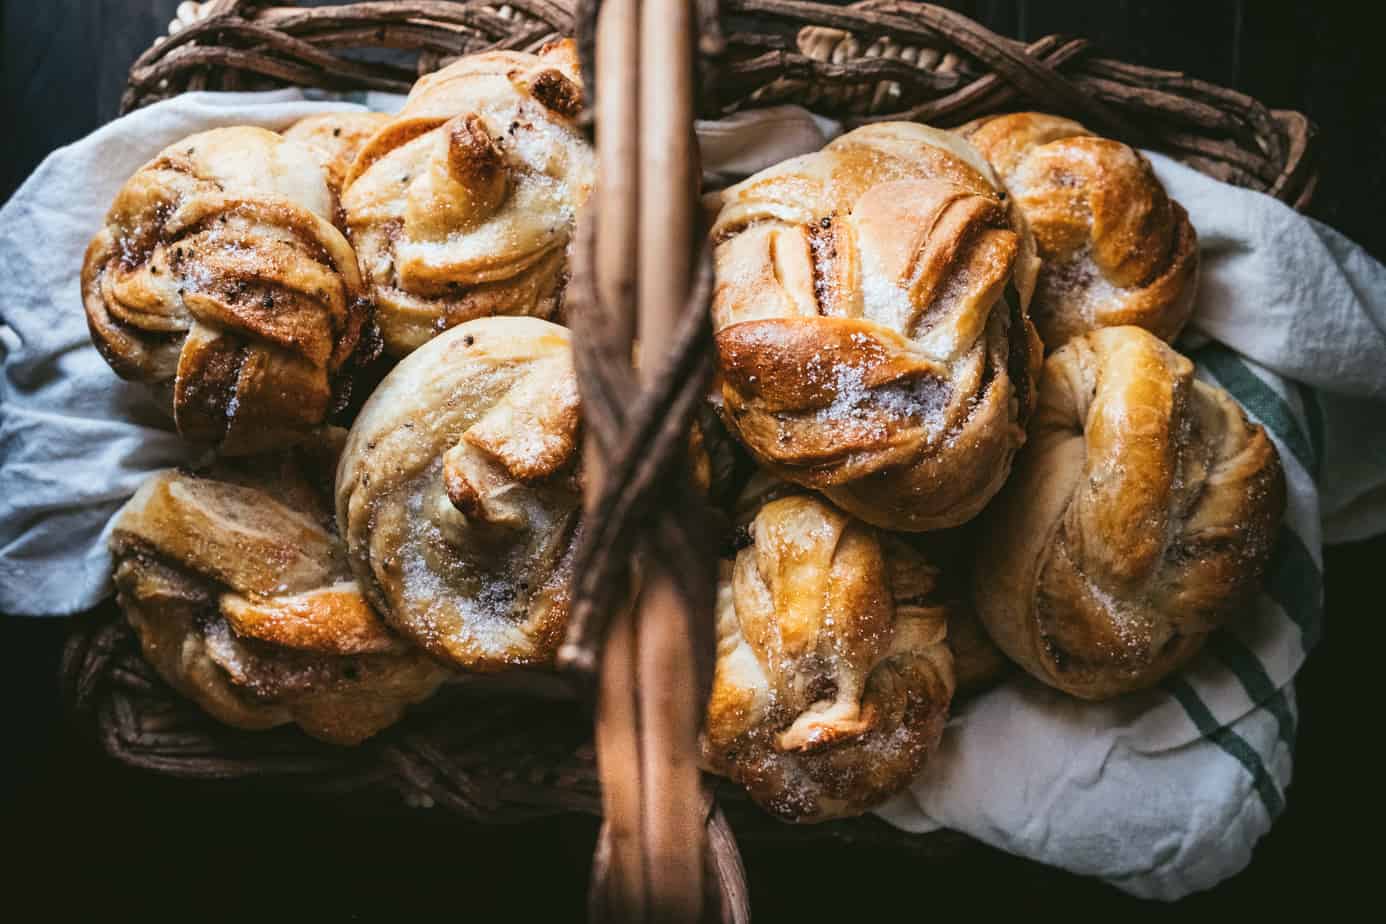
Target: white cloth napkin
x=1161, y=794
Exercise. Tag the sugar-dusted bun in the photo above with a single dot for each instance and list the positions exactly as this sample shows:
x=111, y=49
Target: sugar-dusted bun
x=871, y=327
x=833, y=675
x=240, y=594
x=1140, y=518
x=1116, y=249
x=458, y=493
x=463, y=205
x=219, y=277
x=336, y=137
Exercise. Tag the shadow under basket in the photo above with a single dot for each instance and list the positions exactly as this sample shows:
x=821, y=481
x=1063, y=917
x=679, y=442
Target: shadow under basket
x=522, y=756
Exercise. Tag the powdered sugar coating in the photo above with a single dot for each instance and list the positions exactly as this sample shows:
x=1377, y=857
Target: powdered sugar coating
x=458, y=494
x=871, y=324
x=463, y=205
x=220, y=276
x=1116, y=249
x=833, y=675
x=238, y=589
x=1140, y=517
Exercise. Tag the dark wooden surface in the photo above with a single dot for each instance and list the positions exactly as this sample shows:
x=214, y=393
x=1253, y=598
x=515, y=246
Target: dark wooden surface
x=85, y=837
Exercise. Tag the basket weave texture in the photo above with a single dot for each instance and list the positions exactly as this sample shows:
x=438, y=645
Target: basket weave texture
x=501, y=758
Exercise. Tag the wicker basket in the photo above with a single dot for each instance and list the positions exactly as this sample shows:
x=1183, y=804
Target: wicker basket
x=522, y=757
x=879, y=59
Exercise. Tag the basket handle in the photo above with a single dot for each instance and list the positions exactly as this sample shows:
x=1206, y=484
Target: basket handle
x=642, y=279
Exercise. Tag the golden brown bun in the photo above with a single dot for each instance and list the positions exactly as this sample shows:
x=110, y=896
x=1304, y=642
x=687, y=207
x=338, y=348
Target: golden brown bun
x=833, y=674
x=1116, y=249
x=242, y=600
x=1139, y=518
x=462, y=206
x=458, y=494
x=336, y=137
x=220, y=276
x=870, y=323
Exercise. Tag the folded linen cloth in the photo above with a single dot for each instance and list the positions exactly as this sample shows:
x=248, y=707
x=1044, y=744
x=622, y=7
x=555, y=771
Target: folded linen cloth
x=1162, y=793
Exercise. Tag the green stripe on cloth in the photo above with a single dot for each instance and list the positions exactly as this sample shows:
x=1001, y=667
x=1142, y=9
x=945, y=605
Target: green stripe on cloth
x=1231, y=742
x=1294, y=582
x=1251, y=673
x=1278, y=704
x=1259, y=398
x=1313, y=418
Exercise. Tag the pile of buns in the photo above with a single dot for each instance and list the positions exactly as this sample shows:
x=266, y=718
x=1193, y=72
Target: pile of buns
x=943, y=360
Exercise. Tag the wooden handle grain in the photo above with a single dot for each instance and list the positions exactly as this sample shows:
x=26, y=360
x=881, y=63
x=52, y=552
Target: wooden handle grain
x=650, y=865
x=669, y=706
x=618, y=873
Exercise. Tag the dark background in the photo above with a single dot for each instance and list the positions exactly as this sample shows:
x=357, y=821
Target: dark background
x=85, y=836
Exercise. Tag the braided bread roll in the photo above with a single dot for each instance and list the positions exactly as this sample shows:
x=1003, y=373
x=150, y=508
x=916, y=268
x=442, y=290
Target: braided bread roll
x=462, y=206
x=242, y=600
x=336, y=137
x=220, y=277
x=1116, y=249
x=833, y=675
x=871, y=326
x=1139, y=519
x=458, y=494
